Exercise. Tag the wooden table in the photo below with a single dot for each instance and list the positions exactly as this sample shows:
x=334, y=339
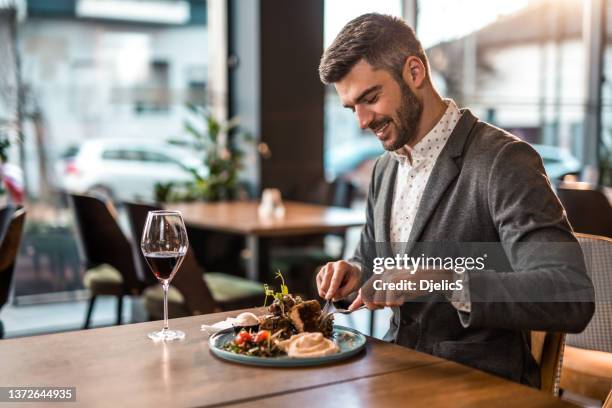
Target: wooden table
x=240, y=217
x=120, y=366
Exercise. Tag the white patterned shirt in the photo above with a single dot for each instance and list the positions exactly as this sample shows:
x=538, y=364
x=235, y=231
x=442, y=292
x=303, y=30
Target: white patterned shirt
x=412, y=175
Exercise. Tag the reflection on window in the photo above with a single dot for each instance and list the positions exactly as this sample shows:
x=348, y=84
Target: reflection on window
x=516, y=64
x=94, y=72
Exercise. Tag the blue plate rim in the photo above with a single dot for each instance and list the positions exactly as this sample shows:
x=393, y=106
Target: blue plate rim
x=286, y=361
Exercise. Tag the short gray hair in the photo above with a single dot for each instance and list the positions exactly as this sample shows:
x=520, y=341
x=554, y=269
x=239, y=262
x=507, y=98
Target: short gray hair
x=383, y=41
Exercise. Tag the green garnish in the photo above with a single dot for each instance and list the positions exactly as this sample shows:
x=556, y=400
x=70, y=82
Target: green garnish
x=276, y=295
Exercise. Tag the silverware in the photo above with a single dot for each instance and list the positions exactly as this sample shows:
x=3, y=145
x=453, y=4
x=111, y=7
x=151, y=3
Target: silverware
x=326, y=307
x=329, y=309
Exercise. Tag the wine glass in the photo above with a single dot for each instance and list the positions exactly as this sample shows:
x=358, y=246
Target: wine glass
x=164, y=245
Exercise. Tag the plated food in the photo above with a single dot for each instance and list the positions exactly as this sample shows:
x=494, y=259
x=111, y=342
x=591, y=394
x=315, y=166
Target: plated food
x=292, y=332
x=292, y=327
x=246, y=321
x=307, y=345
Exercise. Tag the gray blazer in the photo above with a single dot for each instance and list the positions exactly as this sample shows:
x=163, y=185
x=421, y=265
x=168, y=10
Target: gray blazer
x=486, y=186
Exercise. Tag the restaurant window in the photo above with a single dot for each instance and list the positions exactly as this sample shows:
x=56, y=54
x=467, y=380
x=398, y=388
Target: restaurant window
x=152, y=94
x=529, y=81
x=347, y=147
x=89, y=74
x=604, y=149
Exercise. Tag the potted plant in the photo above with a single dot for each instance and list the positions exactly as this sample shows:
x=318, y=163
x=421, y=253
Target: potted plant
x=220, y=143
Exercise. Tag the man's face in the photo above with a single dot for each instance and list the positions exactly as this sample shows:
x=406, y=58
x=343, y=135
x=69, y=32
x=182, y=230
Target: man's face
x=390, y=109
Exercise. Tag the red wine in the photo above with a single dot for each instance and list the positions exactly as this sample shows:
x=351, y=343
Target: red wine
x=163, y=263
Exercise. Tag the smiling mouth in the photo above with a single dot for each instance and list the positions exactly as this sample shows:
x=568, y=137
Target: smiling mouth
x=381, y=130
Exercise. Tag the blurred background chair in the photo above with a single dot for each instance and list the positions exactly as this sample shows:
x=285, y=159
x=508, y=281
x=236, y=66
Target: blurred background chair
x=587, y=207
x=300, y=258
x=587, y=361
x=107, y=253
x=12, y=220
x=193, y=290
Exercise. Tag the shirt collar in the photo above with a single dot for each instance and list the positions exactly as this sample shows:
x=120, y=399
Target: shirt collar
x=430, y=146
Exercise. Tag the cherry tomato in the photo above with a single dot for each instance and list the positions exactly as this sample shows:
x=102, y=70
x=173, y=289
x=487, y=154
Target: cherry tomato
x=243, y=337
x=262, y=335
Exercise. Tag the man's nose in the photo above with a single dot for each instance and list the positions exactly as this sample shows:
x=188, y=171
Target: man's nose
x=364, y=116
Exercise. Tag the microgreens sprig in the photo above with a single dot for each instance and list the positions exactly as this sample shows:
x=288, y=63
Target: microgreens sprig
x=276, y=295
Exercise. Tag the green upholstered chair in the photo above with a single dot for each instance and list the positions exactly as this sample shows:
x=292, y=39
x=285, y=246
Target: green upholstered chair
x=193, y=291
x=107, y=253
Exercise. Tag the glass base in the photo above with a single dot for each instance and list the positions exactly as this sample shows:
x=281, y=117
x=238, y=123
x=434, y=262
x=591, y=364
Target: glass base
x=166, y=335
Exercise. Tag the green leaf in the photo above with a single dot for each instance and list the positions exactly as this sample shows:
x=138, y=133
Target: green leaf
x=267, y=293
x=193, y=108
x=193, y=131
x=284, y=288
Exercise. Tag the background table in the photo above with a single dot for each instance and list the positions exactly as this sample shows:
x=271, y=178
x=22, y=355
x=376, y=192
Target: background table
x=240, y=217
x=120, y=366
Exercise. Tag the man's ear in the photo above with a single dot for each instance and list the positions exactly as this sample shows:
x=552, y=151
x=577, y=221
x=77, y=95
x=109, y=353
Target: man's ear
x=414, y=72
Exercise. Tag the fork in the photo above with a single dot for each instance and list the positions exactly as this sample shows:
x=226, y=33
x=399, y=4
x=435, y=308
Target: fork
x=330, y=309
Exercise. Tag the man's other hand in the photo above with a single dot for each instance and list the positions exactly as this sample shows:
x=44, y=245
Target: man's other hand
x=338, y=279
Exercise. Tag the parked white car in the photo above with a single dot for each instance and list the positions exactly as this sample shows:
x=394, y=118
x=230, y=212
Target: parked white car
x=125, y=169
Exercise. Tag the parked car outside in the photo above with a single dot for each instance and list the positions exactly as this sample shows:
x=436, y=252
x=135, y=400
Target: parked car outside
x=558, y=162
x=354, y=161
x=125, y=169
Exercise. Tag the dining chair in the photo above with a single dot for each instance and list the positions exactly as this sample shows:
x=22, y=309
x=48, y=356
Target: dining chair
x=193, y=290
x=587, y=362
x=12, y=220
x=6, y=214
x=302, y=261
x=608, y=402
x=547, y=350
x=300, y=258
x=587, y=207
x=107, y=253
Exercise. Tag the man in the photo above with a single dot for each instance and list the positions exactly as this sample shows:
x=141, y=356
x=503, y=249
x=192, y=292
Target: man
x=448, y=177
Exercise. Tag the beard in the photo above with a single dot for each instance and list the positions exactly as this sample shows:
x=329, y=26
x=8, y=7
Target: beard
x=408, y=116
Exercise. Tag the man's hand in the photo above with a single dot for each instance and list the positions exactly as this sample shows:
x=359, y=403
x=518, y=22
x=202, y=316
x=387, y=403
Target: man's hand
x=338, y=279
x=380, y=295
x=358, y=302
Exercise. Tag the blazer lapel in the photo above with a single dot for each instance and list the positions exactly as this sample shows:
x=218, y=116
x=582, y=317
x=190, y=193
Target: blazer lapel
x=382, y=208
x=444, y=172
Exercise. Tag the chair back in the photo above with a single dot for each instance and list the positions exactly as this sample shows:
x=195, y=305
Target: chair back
x=547, y=350
x=338, y=193
x=608, y=402
x=588, y=209
x=9, y=248
x=137, y=217
x=6, y=214
x=101, y=240
x=343, y=193
x=598, y=259
x=190, y=278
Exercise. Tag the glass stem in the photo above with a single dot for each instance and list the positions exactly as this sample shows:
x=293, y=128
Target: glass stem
x=165, y=286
